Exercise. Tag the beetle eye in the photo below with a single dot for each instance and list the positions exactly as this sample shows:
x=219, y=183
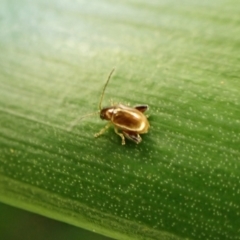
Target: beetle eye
x=102, y=115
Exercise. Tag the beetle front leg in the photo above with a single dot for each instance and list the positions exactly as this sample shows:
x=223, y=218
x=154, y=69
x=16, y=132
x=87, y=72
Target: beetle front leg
x=121, y=135
x=103, y=130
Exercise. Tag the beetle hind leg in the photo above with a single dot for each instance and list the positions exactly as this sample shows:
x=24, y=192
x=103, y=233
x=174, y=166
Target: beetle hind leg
x=133, y=136
x=121, y=135
x=141, y=108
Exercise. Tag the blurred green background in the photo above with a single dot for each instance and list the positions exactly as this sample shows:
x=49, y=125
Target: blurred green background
x=17, y=224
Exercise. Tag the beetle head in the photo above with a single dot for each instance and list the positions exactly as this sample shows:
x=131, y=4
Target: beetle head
x=106, y=113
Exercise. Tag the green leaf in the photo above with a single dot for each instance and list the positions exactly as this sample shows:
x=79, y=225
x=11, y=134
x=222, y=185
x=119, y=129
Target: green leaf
x=180, y=58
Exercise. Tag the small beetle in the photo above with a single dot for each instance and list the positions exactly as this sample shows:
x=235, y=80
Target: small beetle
x=129, y=120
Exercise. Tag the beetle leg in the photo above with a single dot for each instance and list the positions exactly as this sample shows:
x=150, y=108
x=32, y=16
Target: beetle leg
x=133, y=136
x=102, y=130
x=111, y=102
x=141, y=108
x=121, y=135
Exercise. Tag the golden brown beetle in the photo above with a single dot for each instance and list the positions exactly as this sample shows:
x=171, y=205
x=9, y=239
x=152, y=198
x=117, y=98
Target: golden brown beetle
x=130, y=121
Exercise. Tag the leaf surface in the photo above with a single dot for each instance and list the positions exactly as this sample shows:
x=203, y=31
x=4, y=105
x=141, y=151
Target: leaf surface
x=182, y=59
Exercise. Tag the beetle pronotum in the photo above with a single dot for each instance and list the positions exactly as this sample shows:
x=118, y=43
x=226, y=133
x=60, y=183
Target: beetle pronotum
x=129, y=120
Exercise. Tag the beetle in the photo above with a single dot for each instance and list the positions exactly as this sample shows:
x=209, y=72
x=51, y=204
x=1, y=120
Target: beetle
x=128, y=122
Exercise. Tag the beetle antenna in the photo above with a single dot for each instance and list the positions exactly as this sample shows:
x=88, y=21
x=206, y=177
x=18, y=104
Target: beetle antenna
x=103, y=91
x=74, y=123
